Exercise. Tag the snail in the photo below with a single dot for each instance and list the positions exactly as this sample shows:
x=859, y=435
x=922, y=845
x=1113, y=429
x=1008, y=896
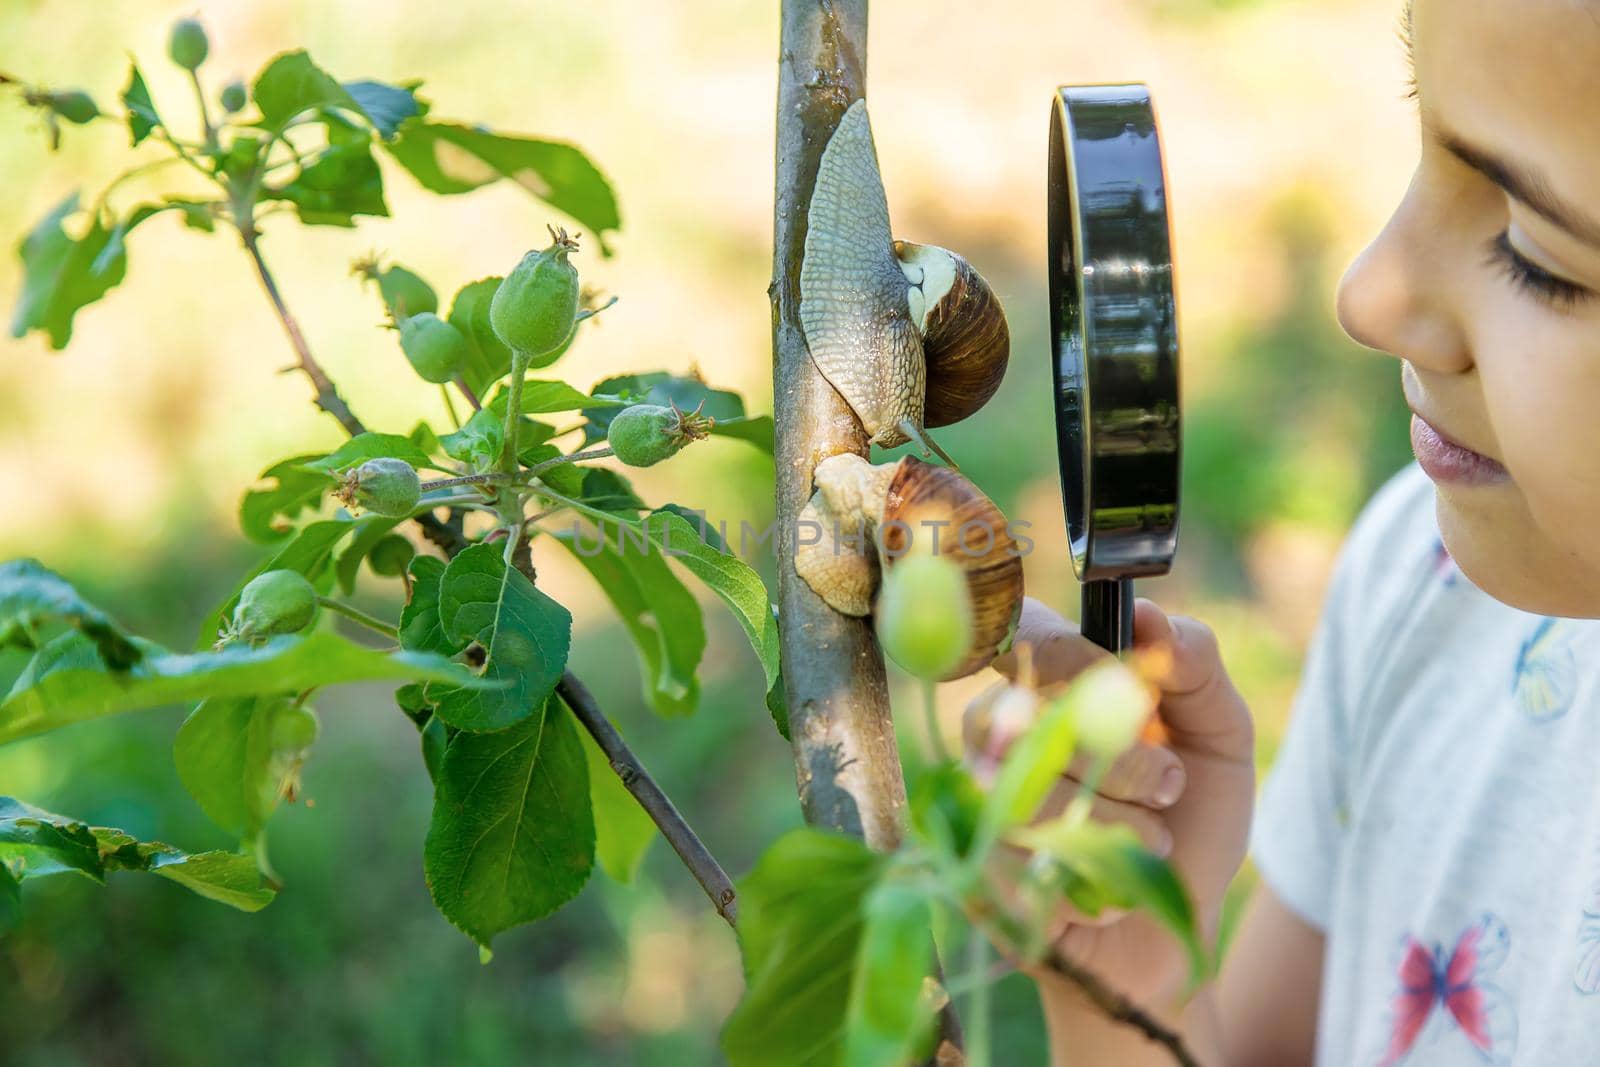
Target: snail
x=910, y=335
x=903, y=507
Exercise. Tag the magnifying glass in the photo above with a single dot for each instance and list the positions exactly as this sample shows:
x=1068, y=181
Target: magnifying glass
x=1114, y=354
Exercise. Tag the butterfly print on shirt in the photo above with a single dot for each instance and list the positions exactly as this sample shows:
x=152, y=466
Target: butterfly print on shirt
x=1545, y=678
x=1458, y=987
x=1586, y=975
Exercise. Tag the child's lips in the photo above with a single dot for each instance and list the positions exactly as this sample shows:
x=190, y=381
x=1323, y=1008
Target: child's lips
x=1444, y=460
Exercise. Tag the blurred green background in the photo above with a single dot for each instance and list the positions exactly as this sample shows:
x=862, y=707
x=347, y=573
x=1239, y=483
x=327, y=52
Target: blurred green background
x=124, y=457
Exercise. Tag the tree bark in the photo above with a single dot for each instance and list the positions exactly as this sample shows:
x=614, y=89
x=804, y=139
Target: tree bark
x=847, y=764
x=846, y=761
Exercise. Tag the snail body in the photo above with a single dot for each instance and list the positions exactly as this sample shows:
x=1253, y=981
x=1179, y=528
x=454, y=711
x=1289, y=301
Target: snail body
x=893, y=326
x=910, y=507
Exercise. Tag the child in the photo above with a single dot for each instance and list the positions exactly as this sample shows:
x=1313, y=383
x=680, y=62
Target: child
x=1429, y=836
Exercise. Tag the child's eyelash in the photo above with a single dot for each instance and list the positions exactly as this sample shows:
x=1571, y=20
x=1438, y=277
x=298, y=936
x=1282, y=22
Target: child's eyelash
x=1532, y=278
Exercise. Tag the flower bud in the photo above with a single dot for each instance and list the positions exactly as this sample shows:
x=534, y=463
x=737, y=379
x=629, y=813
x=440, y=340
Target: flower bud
x=187, y=44
x=384, y=486
x=1111, y=703
x=646, y=434
x=234, y=97
x=925, y=615
x=536, y=306
x=294, y=730
x=74, y=105
x=276, y=602
x=436, y=349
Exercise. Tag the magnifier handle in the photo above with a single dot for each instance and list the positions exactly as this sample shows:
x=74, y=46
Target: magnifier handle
x=1107, y=617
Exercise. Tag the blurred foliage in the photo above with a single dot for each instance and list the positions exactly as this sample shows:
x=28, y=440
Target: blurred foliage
x=1289, y=428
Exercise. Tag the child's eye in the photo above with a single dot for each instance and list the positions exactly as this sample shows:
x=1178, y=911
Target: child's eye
x=1532, y=278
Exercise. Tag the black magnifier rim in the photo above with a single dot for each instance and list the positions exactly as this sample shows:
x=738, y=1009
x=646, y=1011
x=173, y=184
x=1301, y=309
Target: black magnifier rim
x=1113, y=327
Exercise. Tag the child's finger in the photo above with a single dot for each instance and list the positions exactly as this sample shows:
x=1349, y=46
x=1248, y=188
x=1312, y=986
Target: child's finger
x=1149, y=775
x=1199, y=706
x=1058, y=652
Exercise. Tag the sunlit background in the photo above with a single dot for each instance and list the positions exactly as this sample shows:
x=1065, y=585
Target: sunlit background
x=122, y=459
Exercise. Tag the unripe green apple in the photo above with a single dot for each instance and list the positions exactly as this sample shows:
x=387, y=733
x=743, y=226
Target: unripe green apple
x=925, y=615
x=436, y=349
x=534, y=309
x=187, y=44
x=384, y=486
x=276, y=602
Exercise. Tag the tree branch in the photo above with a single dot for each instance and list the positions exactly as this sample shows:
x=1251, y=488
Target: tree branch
x=847, y=765
x=844, y=745
x=328, y=398
x=1119, y=1008
x=701, y=863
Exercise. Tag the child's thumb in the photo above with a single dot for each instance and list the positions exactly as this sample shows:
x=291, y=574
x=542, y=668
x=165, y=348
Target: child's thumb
x=1199, y=706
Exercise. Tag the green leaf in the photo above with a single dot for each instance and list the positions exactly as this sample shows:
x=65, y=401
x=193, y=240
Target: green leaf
x=1030, y=770
x=10, y=899
x=343, y=181
x=451, y=158
x=386, y=106
x=142, y=117
x=729, y=577
x=946, y=807
x=800, y=930
x=778, y=706
x=292, y=84
x=370, y=529
x=197, y=214
x=227, y=760
x=544, y=397
x=564, y=478
x=660, y=614
x=35, y=843
x=512, y=837
x=267, y=513
x=479, y=442
x=1114, y=862
x=490, y=359
x=523, y=635
x=622, y=831
x=606, y=490
x=757, y=430
x=309, y=553
x=31, y=595
x=888, y=1016
x=363, y=447
x=420, y=628
x=62, y=274
x=65, y=682
x=659, y=387
x=435, y=741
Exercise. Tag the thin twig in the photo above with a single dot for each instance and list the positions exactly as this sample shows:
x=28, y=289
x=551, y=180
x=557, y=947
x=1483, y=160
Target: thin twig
x=357, y=615
x=701, y=863
x=550, y=464
x=1119, y=1008
x=328, y=398
x=465, y=479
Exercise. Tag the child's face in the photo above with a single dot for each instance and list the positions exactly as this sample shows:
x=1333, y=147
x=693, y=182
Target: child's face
x=1502, y=355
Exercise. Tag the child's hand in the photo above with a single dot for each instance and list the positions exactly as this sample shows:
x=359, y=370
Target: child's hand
x=1192, y=795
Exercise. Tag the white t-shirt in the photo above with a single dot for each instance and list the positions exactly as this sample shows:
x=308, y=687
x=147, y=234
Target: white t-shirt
x=1435, y=810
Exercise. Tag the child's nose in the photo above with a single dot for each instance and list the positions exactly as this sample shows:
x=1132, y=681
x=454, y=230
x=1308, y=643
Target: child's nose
x=1395, y=297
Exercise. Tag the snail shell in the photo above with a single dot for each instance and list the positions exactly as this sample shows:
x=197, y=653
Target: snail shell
x=966, y=343
x=911, y=506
